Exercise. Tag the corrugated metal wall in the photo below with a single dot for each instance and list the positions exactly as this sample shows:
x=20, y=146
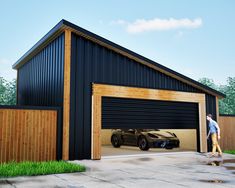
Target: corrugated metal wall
x=94, y=63
x=211, y=105
x=40, y=80
x=210, y=109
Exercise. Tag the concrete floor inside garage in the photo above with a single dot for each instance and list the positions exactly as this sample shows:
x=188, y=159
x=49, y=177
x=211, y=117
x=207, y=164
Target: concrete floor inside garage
x=109, y=150
x=187, y=143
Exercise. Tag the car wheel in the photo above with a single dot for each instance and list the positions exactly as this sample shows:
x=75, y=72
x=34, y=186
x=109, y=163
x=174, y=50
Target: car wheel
x=143, y=144
x=115, y=141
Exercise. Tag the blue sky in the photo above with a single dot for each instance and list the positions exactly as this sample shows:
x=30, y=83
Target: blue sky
x=195, y=38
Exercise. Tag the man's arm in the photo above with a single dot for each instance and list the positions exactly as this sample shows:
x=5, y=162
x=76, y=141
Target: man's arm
x=218, y=129
x=208, y=134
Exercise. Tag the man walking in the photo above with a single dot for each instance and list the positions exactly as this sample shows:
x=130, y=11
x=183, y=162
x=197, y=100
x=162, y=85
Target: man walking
x=214, y=132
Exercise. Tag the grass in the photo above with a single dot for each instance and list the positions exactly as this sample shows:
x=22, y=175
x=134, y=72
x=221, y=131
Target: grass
x=230, y=151
x=28, y=168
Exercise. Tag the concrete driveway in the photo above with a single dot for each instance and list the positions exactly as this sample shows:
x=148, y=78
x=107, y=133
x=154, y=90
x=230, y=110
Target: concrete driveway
x=180, y=169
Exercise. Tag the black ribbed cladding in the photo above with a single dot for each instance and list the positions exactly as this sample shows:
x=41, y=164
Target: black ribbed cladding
x=210, y=109
x=40, y=81
x=93, y=63
x=141, y=114
x=211, y=105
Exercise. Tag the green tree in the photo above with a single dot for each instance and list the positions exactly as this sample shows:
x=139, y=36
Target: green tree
x=226, y=105
x=7, y=92
x=2, y=90
x=208, y=82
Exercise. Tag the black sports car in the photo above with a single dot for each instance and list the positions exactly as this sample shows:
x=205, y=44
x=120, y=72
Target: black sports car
x=144, y=138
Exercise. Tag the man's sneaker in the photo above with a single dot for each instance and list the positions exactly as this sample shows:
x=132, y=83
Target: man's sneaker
x=212, y=155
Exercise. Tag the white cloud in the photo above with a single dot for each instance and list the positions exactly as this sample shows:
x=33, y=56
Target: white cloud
x=157, y=24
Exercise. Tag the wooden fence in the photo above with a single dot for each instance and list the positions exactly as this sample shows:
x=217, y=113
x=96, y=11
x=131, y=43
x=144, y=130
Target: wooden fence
x=28, y=134
x=227, y=126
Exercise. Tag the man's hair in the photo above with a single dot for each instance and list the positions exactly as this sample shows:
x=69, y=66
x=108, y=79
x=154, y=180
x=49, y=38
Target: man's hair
x=209, y=115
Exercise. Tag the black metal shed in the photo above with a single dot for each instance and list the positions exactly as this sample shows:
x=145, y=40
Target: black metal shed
x=65, y=66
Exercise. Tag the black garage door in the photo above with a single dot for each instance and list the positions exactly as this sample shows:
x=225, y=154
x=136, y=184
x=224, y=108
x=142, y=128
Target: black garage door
x=122, y=113
x=148, y=114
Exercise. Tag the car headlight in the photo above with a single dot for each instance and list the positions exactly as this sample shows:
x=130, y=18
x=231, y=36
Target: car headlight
x=173, y=134
x=152, y=135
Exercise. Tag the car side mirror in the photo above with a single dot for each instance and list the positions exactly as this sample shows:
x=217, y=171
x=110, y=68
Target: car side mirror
x=131, y=131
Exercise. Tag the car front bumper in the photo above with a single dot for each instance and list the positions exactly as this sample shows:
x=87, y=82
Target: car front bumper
x=165, y=144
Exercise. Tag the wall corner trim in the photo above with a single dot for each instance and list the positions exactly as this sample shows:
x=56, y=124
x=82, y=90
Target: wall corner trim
x=66, y=103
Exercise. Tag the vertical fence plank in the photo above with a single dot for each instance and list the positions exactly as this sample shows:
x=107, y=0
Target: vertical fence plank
x=1, y=135
x=7, y=136
x=35, y=138
x=41, y=136
x=4, y=136
x=10, y=135
x=55, y=133
x=45, y=132
x=25, y=131
x=49, y=135
x=20, y=135
x=18, y=119
x=54, y=136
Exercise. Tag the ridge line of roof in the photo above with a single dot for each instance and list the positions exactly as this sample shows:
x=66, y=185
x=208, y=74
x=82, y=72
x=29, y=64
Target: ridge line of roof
x=56, y=28
x=64, y=22
x=154, y=63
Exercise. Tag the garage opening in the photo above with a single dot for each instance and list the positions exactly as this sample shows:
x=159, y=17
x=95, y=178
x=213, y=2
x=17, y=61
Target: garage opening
x=121, y=107
x=137, y=126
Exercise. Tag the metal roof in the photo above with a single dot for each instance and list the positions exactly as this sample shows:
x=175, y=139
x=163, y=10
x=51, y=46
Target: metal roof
x=63, y=24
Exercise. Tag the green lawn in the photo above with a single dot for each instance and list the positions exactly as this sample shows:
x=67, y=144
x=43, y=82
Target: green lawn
x=230, y=151
x=27, y=168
